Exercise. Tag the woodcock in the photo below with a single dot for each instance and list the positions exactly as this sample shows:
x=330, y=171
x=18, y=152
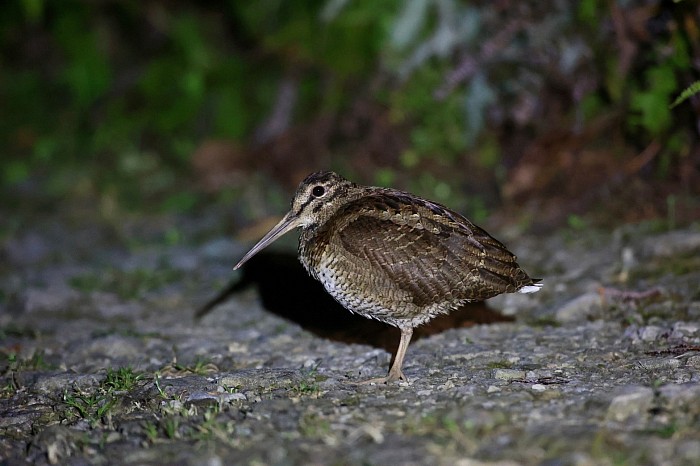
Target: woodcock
x=392, y=256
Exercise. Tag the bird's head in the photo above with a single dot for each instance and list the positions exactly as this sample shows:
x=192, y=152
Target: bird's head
x=315, y=200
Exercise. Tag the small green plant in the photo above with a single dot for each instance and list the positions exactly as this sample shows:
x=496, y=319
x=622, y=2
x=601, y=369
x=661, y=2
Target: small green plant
x=122, y=379
x=308, y=385
x=212, y=427
x=151, y=431
x=231, y=390
x=687, y=94
x=91, y=407
x=313, y=426
x=200, y=367
x=501, y=364
x=14, y=363
x=576, y=222
x=545, y=321
x=666, y=431
x=10, y=361
x=161, y=392
x=170, y=426
x=94, y=406
x=9, y=388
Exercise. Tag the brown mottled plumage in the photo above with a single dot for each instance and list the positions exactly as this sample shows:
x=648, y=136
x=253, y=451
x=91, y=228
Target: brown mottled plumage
x=391, y=256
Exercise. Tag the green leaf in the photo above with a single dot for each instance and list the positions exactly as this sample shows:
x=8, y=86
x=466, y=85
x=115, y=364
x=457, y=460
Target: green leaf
x=686, y=94
x=651, y=103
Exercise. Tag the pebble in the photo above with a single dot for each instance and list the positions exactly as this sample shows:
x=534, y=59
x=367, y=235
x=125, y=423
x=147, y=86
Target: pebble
x=630, y=402
x=52, y=383
x=682, y=399
x=579, y=308
x=694, y=361
x=659, y=363
x=650, y=333
x=508, y=374
x=685, y=329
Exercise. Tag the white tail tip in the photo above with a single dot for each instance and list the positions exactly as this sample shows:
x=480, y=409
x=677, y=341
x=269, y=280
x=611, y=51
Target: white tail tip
x=534, y=288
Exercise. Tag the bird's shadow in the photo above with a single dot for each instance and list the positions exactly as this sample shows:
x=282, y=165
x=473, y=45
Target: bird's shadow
x=288, y=291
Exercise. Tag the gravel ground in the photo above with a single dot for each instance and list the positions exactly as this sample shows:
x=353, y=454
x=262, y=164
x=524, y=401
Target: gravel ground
x=102, y=361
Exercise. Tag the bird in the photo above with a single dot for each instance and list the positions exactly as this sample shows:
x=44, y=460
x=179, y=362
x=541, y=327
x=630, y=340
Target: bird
x=389, y=255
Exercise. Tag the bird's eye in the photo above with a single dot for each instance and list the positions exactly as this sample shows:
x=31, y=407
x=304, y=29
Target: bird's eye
x=318, y=191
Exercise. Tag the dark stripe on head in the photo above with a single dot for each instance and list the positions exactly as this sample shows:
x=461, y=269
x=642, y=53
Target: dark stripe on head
x=303, y=206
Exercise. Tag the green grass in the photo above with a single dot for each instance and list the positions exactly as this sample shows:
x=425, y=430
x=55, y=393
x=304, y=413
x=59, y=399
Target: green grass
x=501, y=364
x=94, y=405
x=122, y=379
x=200, y=366
x=14, y=363
x=309, y=383
x=89, y=406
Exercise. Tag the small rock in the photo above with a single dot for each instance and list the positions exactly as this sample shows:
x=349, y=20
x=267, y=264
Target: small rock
x=632, y=402
x=266, y=378
x=234, y=397
x=55, y=443
x=650, y=333
x=538, y=387
x=202, y=399
x=236, y=347
x=659, y=363
x=508, y=374
x=694, y=361
x=579, y=308
x=646, y=333
x=18, y=416
x=682, y=400
x=52, y=384
x=174, y=405
x=684, y=329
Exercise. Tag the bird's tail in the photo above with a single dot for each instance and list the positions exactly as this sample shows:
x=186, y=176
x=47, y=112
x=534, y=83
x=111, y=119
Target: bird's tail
x=533, y=287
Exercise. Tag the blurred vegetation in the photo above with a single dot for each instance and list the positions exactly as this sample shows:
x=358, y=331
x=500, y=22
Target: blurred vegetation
x=164, y=104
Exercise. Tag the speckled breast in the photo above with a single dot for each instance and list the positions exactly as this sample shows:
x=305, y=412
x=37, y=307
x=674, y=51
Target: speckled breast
x=360, y=289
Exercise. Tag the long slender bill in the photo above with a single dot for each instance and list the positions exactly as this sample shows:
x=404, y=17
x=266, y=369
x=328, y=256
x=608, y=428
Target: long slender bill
x=289, y=222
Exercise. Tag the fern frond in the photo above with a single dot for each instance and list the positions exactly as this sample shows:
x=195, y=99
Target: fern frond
x=686, y=94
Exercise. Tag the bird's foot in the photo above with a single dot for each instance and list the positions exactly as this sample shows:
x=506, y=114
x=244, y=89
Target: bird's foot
x=393, y=376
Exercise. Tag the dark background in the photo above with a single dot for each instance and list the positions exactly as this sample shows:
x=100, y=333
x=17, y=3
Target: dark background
x=538, y=114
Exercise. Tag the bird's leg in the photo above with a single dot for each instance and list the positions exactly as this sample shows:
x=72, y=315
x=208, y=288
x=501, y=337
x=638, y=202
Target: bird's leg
x=395, y=373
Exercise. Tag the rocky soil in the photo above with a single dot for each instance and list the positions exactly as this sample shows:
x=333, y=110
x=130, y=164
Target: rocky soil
x=102, y=361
